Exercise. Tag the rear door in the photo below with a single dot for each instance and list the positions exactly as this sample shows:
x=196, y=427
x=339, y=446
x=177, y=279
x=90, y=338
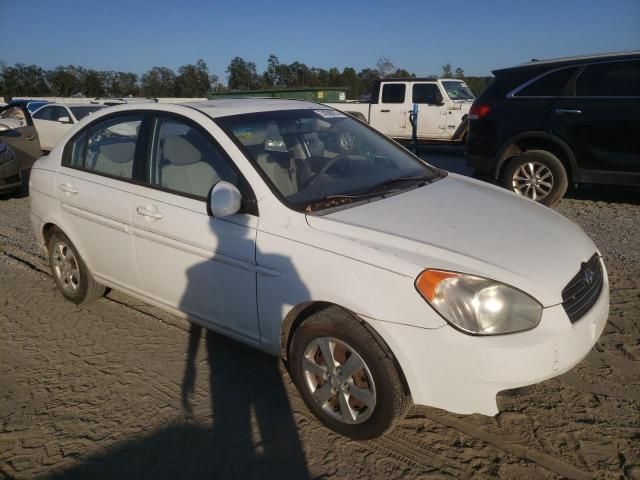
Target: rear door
x=601, y=121
x=93, y=187
x=20, y=135
x=390, y=115
x=432, y=114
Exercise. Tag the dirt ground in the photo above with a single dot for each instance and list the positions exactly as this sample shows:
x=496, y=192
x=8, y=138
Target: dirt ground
x=119, y=389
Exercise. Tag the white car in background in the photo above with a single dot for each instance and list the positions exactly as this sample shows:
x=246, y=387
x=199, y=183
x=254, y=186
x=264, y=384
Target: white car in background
x=53, y=120
x=381, y=279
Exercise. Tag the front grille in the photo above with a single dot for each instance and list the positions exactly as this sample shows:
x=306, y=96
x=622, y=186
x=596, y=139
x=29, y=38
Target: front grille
x=582, y=292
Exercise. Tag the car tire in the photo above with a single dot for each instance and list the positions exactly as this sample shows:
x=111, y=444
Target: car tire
x=381, y=400
x=69, y=271
x=538, y=175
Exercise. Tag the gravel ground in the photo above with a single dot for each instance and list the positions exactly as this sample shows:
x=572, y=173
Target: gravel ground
x=120, y=389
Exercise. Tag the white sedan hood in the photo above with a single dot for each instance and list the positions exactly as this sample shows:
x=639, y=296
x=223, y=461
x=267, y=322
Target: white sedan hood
x=469, y=226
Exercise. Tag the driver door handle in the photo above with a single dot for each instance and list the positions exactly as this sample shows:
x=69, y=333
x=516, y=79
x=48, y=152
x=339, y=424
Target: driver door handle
x=385, y=111
x=148, y=212
x=68, y=188
x=29, y=138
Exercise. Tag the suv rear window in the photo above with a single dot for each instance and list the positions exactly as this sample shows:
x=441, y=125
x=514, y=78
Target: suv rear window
x=552, y=84
x=612, y=79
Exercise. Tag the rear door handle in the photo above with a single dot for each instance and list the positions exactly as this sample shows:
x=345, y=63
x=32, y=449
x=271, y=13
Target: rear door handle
x=149, y=212
x=385, y=111
x=568, y=111
x=68, y=189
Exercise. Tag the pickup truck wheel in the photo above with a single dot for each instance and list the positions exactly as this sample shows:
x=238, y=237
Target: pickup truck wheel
x=345, y=376
x=538, y=175
x=70, y=273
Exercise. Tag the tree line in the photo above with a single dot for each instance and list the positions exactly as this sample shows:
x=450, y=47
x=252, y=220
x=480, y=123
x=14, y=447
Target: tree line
x=195, y=80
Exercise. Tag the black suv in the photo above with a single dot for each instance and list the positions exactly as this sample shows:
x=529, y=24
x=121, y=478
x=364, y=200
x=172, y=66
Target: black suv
x=544, y=124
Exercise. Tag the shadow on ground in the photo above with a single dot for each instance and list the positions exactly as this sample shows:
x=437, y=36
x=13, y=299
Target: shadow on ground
x=253, y=434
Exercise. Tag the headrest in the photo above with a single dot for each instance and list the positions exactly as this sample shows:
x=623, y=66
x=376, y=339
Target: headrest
x=177, y=150
x=251, y=135
x=118, y=152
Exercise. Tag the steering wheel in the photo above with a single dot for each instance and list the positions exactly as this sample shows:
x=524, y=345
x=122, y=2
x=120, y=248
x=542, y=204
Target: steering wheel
x=311, y=180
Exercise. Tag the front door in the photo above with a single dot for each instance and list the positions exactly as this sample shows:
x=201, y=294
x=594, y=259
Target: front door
x=188, y=260
x=50, y=128
x=20, y=135
x=390, y=114
x=601, y=122
x=432, y=115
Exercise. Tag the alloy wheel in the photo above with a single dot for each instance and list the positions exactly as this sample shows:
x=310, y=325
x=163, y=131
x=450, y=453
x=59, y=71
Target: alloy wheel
x=65, y=267
x=339, y=380
x=533, y=180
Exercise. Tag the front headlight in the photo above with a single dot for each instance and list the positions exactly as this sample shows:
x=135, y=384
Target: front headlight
x=478, y=305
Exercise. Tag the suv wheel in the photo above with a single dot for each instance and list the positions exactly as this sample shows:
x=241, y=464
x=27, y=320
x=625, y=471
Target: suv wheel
x=538, y=175
x=70, y=272
x=346, y=378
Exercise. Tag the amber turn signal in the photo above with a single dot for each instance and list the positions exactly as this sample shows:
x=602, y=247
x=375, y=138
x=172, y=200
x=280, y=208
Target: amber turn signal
x=428, y=281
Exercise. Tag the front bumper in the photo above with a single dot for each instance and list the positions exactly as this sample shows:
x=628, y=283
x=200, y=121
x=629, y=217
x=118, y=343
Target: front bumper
x=463, y=374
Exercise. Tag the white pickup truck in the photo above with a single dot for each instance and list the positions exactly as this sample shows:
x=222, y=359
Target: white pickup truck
x=443, y=105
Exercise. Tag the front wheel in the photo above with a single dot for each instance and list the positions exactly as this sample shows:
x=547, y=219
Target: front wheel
x=538, y=175
x=345, y=376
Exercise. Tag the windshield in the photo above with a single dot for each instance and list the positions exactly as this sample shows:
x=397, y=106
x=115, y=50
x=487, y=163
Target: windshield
x=81, y=112
x=458, y=90
x=309, y=155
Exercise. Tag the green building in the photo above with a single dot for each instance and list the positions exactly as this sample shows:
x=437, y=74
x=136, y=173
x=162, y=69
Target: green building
x=319, y=94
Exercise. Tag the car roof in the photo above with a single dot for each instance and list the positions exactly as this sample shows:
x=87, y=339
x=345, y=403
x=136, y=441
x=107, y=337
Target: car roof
x=578, y=59
x=234, y=106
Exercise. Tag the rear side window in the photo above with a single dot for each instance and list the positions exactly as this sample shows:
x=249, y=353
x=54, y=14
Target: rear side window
x=393, y=92
x=613, y=79
x=184, y=160
x=553, y=84
x=107, y=147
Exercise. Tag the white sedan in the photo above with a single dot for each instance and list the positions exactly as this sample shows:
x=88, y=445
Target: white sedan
x=380, y=279
x=53, y=120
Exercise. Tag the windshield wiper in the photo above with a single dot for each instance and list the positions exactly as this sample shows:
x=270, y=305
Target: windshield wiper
x=397, y=181
x=377, y=190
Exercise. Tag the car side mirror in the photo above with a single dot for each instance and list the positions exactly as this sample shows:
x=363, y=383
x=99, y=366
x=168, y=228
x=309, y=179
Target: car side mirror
x=4, y=128
x=64, y=119
x=225, y=200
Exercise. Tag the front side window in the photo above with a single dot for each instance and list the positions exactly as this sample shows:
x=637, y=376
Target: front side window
x=110, y=146
x=184, y=160
x=315, y=156
x=612, y=79
x=59, y=112
x=81, y=112
x=553, y=84
x=457, y=90
x=44, y=113
x=393, y=92
x=426, y=93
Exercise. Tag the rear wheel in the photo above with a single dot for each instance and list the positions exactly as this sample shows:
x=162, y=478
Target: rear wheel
x=346, y=378
x=538, y=175
x=70, y=272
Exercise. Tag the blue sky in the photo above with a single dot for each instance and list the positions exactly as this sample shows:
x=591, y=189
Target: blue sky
x=135, y=35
